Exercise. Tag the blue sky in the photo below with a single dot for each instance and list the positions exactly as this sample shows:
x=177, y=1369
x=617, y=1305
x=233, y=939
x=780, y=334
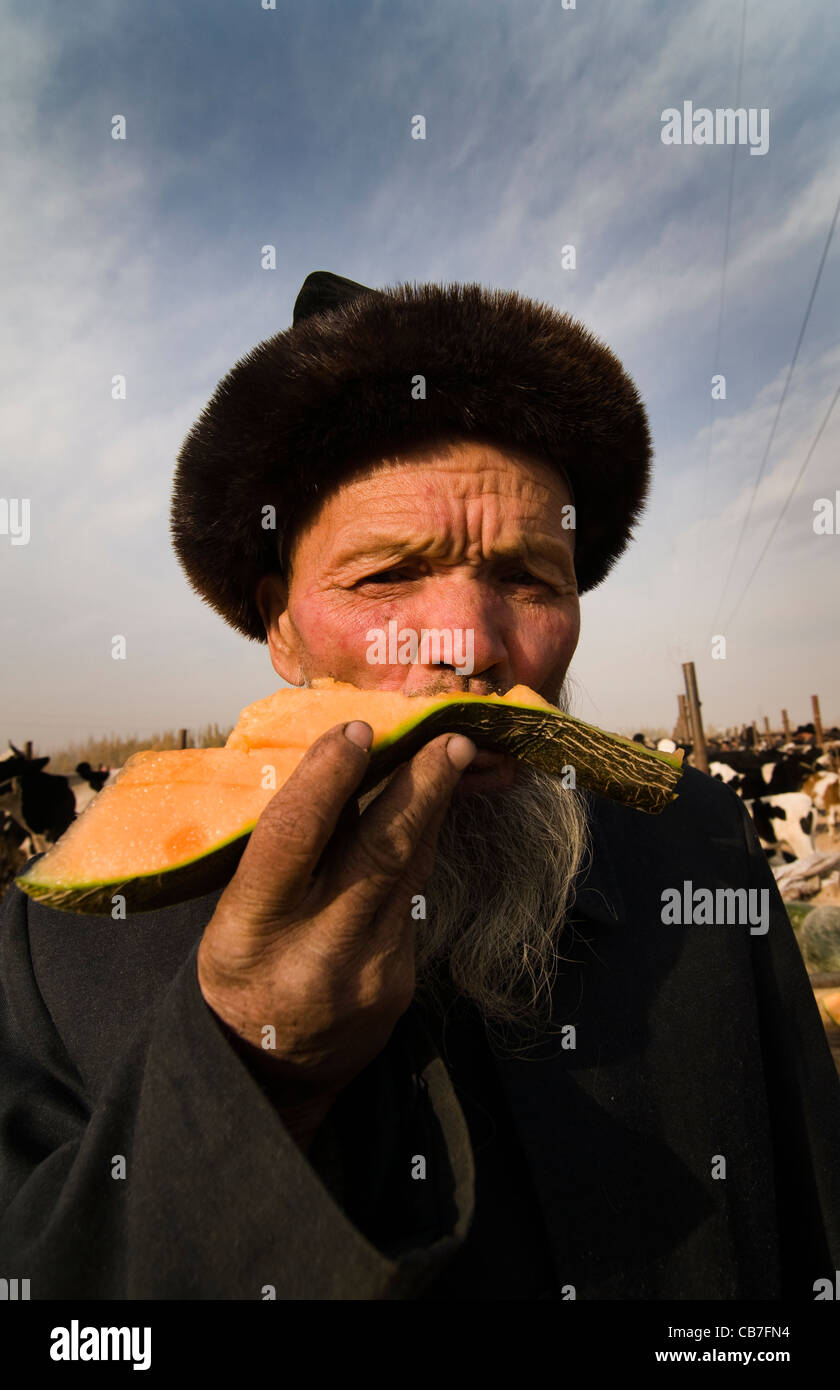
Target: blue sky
x=292, y=126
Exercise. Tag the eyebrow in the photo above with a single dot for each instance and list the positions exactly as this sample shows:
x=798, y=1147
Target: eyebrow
x=379, y=548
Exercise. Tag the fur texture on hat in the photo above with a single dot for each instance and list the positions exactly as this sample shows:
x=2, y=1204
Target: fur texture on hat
x=337, y=390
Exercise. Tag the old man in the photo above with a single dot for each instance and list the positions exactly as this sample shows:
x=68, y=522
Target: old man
x=537, y=1086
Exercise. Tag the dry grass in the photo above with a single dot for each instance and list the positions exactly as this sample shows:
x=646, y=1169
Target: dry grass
x=115, y=750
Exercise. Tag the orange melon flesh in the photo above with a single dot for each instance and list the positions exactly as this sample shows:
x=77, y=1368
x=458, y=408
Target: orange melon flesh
x=296, y=717
x=167, y=808
x=173, y=824
x=163, y=810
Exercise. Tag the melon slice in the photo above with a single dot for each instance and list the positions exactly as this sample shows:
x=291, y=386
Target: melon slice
x=173, y=825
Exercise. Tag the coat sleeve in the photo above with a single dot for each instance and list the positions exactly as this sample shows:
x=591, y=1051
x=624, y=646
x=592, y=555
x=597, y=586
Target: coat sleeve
x=803, y=1095
x=180, y=1181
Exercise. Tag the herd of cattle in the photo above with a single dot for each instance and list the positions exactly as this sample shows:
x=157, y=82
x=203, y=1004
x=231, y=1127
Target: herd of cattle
x=785, y=789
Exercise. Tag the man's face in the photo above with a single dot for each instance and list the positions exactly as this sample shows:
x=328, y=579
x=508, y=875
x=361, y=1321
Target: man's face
x=471, y=540
x=468, y=539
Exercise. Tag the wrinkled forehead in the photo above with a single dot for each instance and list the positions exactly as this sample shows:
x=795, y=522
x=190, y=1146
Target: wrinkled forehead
x=455, y=465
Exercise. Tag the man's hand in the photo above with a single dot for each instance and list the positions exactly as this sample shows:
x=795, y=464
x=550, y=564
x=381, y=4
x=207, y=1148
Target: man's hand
x=314, y=934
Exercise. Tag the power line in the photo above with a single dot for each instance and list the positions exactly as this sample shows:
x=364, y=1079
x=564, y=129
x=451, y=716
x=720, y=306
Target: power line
x=797, y=481
x=769, y=444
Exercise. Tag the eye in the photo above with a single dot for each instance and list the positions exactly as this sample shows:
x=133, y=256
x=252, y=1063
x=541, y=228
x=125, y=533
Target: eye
x=522, y=577
x=388, y=576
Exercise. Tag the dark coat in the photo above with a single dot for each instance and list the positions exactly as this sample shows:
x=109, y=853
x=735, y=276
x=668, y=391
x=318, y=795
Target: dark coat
x=594, y=1168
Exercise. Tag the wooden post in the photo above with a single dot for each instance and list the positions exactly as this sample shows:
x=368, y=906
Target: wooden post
x=786, y=725
x=683, y=722
x=698, y=738
x=755, y=734
x=689, y=727
x=766, y=727
x=27, y=748
x=182, y=738
x=818, y=729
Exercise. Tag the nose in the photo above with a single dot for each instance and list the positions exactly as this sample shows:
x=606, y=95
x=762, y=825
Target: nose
x=470, y=648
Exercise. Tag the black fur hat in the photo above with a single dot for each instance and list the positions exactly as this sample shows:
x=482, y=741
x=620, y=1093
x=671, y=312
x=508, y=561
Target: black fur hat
x=339, y=388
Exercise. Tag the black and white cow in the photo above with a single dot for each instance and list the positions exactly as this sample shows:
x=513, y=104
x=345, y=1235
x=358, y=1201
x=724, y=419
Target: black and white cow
x=40, y=802
x=86, y=783
x=786, y=772
x=754, y=775
x=784, y=824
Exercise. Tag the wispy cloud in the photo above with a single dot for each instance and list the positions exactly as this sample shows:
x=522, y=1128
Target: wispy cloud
x=292, y=127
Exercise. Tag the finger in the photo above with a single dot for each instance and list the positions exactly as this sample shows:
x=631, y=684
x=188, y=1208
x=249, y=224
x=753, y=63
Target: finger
x=290, y=836
x=391, y=832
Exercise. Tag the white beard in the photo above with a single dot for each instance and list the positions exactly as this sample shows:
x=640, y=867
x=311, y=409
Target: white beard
x=498, y=895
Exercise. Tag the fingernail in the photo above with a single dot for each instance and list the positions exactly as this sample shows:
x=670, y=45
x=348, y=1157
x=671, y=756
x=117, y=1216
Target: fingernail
x=359, y=733
x=460, y=751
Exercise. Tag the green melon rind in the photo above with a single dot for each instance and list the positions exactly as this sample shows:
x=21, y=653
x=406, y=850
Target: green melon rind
x=604, y=763
x=193, y=878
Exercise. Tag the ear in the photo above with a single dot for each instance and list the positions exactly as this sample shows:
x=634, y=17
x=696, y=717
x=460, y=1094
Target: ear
x=272, y=599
